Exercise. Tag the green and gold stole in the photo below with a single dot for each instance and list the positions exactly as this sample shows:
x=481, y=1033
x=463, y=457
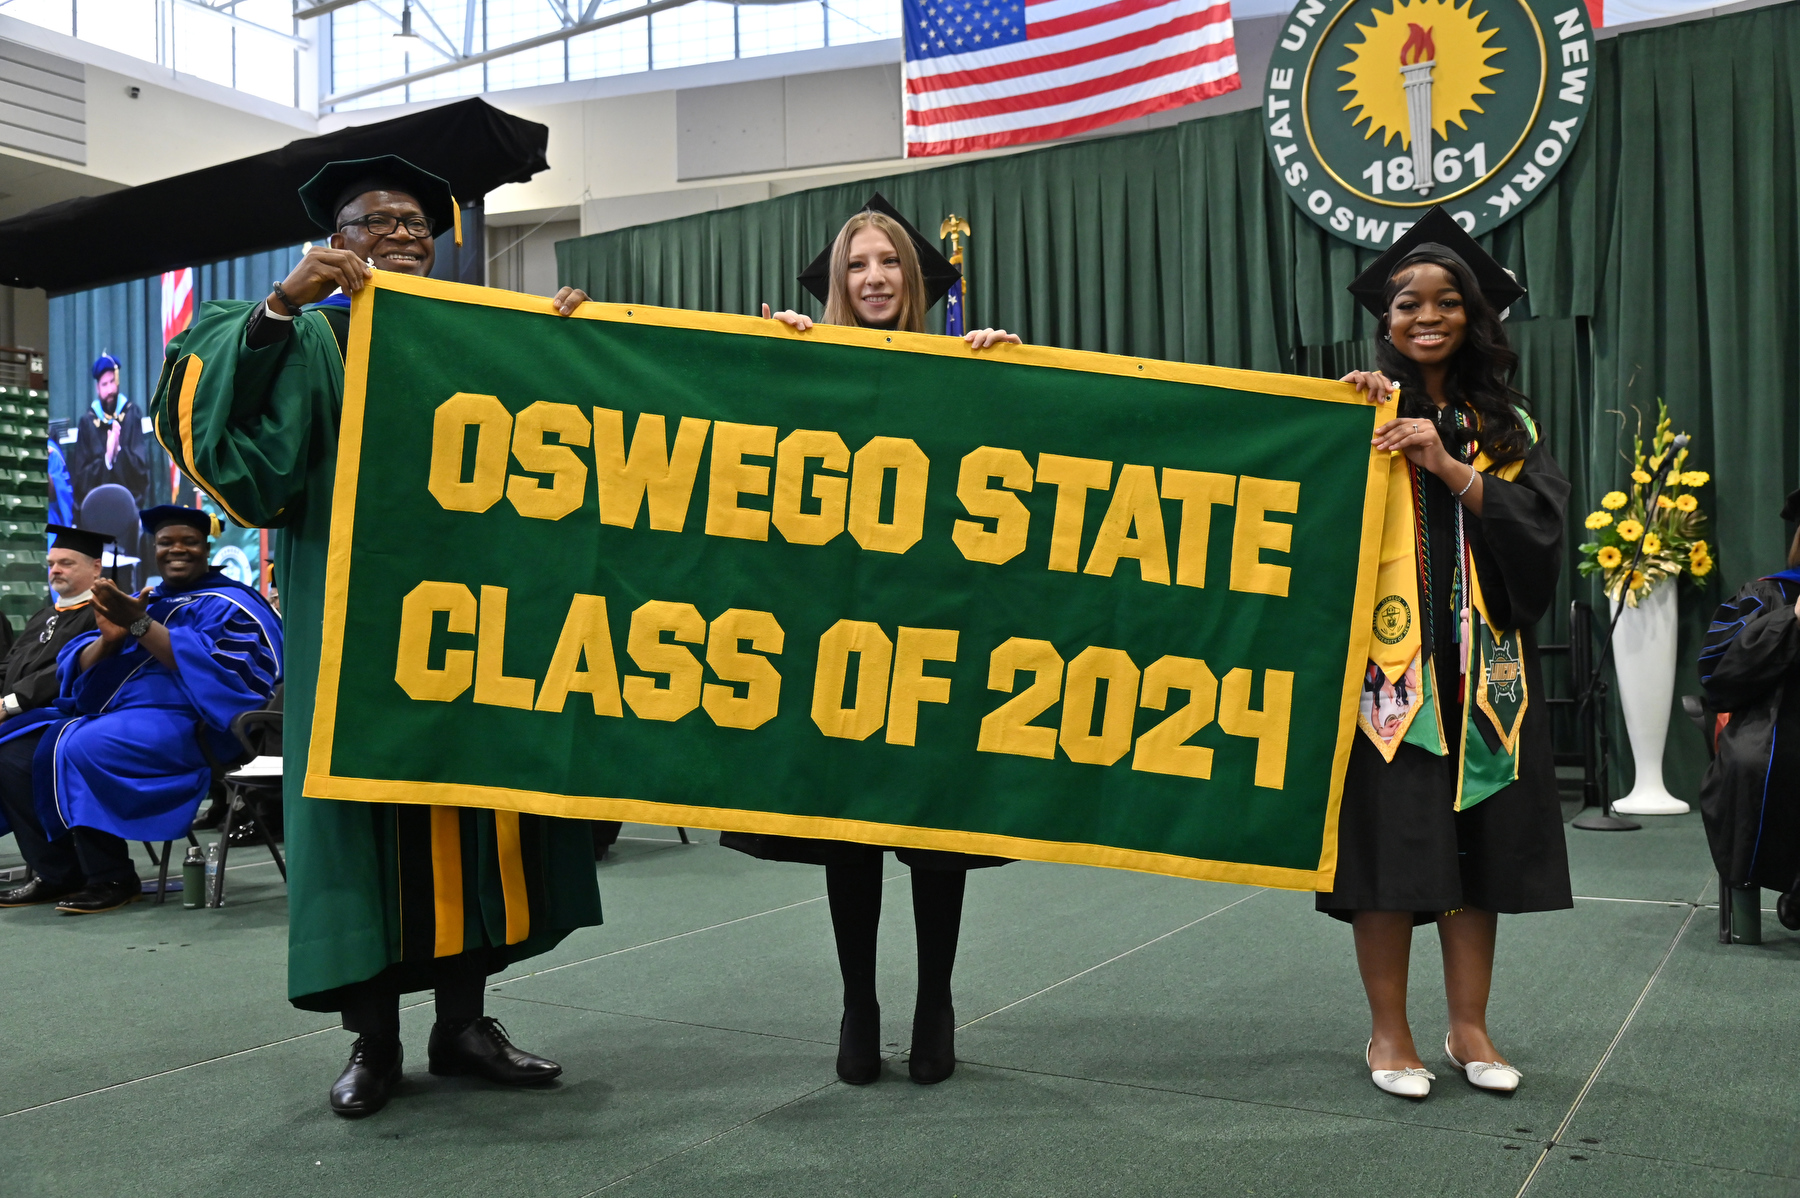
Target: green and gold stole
x=1399, y=698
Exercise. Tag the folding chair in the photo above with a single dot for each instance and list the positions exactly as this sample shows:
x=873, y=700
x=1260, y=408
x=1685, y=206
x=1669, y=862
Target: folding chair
x=252, y=784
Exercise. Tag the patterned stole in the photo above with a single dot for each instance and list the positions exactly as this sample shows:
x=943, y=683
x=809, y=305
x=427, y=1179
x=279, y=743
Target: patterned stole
x=1399, y=702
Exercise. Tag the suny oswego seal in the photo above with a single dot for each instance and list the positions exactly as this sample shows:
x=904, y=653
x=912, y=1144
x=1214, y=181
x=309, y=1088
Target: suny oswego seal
x=1377, y=109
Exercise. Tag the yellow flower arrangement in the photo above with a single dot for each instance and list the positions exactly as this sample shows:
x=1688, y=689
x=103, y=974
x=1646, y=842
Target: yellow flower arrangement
x=1650, y=532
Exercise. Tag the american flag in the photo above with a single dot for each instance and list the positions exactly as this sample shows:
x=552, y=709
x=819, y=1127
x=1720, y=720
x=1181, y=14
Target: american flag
x=981, y=74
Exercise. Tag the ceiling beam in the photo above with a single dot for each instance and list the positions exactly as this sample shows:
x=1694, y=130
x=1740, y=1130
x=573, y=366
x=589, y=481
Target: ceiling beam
x=457, y=64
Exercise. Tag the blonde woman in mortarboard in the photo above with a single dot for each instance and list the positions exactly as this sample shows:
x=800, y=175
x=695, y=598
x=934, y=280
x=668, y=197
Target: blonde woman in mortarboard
x=876, y=281
x=1450, y=810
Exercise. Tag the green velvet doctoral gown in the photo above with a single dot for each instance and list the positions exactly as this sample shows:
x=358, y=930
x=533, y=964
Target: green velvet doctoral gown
x=375, y=890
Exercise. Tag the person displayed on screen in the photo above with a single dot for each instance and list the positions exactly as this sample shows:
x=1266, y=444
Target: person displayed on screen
x=876, y=281
x=110, y=446
x=1450, y=811
x=143, y=709
x=259, y=431
x=1750, y=671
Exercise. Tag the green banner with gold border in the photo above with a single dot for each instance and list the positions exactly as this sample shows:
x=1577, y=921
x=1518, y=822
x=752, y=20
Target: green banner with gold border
x=698, y=569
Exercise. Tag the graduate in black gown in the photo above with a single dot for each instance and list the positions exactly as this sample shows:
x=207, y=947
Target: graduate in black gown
x=880, y=273
x=1750, y=669
x=1450, y=810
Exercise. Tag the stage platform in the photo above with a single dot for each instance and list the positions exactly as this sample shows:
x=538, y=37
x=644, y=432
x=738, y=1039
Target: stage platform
x=1122, y=1034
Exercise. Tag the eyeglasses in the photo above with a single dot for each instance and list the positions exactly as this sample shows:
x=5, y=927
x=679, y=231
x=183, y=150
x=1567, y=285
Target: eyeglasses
x=382, y=224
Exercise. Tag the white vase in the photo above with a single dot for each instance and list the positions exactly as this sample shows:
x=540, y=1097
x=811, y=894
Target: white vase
x=1644, y=657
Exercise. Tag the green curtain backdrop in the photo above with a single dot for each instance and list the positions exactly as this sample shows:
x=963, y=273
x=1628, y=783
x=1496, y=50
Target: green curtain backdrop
x=1661, y=262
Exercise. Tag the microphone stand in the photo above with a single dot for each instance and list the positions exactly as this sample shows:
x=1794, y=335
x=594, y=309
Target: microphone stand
x=1604, y=820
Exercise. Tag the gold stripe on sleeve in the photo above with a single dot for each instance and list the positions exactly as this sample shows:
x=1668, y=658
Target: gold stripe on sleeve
x=512, y=876
x=447, y=879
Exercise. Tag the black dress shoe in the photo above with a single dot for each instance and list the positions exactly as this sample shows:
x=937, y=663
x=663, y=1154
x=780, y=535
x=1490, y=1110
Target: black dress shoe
x=107, y=896
x=214, y=817
x=245, y=832
x=37, y=891
x=369, y=1078
x=859, y=1046
x=933, y=1055
x=481, y=1048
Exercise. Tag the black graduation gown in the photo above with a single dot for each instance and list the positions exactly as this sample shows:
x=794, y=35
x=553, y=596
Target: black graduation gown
x=1402, y=845
x=30, y=667
x=131, y=465
x=1750, y=797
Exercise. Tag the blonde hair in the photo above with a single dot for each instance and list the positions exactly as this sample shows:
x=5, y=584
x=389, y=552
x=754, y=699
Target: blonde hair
x=838, y=307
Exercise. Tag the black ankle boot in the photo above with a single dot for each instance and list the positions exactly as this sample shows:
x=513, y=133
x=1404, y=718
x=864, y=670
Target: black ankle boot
x=933, y=1056
x=369, y=1077
x=859, y=1045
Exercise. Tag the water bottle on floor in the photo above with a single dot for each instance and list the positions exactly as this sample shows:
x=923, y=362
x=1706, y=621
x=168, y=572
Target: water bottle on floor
x=213, y=876
x=193, y=877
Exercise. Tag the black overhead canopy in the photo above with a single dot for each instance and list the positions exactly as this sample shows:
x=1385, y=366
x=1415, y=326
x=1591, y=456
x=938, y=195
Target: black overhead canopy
x=252, y=204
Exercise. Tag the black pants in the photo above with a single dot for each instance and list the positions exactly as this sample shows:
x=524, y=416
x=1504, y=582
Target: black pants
x=84, y=855
x=373, y=1007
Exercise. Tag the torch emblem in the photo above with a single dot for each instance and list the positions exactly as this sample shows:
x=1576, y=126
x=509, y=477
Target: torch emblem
x=1417, y=58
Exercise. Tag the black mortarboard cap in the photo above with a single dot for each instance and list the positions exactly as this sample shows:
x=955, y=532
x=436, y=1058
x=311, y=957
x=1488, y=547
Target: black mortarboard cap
x=81, y=540
x=1438, y=231
x=337, y=183
x=940, y=276
x=173, y=513
x=1790, y=511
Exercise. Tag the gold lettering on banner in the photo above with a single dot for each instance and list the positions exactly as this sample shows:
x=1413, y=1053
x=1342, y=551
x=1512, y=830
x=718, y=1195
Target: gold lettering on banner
x=1113, y=741
x=569, y=473
x=912, y=685
x=868, y=479
x=1073, y=478
x=492, y=686
x=1164, y=749
x=1008, y=728
x=412, y=665
x=586, y=634
x=654, y=655
x=1253, y=534
x=730, y=477
x=875, y=657
x=651, y=471
x=1198, y=491
x=762, y=684
x=493, y=437
x=1268, y=727
x=1012, y=519
x=1135, y=506
x=798, y=526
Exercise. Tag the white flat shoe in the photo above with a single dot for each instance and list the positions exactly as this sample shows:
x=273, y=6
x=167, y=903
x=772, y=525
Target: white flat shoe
x=1407, y=1083
x=1485, y=1075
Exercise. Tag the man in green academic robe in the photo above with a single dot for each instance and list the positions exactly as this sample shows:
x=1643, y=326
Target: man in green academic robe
x=383, y=898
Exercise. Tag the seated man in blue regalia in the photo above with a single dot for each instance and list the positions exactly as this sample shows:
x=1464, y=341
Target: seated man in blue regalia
x=144, y=708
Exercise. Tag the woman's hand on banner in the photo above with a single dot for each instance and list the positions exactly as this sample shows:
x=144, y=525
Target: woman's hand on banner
x=569, y=299
x=790, y=318
x=1372, y=383
x=982, y=338
x=322, y=270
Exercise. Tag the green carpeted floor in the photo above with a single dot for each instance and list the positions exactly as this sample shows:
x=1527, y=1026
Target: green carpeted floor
x=1121, y=1034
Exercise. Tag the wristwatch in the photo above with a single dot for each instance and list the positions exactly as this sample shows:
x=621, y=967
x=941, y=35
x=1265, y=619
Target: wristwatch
x=139, y=626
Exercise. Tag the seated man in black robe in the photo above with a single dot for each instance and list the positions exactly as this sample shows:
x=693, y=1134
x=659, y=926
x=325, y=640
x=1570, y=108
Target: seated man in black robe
x=28, y=680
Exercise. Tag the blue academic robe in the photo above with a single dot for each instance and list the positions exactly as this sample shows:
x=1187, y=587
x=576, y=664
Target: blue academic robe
x=121, y=750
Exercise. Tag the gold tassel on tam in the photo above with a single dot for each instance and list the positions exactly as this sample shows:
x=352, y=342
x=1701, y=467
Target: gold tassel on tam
x=456, y=220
